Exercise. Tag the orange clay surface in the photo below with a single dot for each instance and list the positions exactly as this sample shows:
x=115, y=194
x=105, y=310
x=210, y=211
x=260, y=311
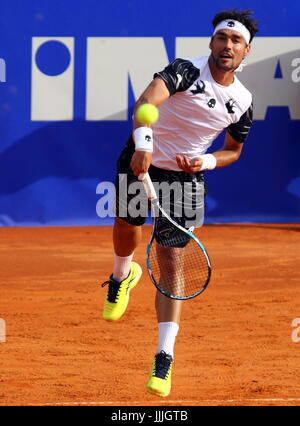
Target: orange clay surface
x=234, y=346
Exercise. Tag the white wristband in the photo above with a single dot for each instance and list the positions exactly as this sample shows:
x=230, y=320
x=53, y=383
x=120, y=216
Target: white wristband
x=209, y=162
x=143, y=139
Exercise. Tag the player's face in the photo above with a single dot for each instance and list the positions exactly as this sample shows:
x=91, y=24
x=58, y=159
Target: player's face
x=228, y=49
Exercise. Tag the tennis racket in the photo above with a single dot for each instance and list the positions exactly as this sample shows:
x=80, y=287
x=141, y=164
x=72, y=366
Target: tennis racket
x=177, y=262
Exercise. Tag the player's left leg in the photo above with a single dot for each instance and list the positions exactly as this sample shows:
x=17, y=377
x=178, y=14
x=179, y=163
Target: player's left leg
x=168, y=313
x=168, y=310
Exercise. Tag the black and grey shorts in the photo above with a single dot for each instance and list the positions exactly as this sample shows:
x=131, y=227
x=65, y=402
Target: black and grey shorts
x=180, y=194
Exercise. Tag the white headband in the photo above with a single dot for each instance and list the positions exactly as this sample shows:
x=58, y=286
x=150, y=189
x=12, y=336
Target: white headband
x=231, y=24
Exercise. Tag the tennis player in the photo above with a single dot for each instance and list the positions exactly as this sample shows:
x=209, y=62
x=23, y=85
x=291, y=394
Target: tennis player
x=197, y=99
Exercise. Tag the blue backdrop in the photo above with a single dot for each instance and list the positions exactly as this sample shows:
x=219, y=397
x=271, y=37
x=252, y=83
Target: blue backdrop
x=65, y=105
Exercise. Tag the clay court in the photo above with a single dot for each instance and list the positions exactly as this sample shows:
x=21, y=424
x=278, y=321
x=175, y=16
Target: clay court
x=234, y=347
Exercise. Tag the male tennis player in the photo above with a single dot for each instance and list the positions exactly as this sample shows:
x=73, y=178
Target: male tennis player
x=197, y=99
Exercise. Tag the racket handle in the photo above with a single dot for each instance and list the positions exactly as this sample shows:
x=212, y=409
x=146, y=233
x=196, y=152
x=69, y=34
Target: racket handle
x=148, y=185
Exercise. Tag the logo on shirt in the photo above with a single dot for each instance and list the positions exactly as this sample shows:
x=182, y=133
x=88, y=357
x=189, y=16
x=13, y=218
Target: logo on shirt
x=229, y=105
x=230, y=24
x=164, y=230
x=179, y=80
x=200, y=88
x=212, y=103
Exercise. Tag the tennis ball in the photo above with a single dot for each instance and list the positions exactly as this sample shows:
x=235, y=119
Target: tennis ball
x=147, y=114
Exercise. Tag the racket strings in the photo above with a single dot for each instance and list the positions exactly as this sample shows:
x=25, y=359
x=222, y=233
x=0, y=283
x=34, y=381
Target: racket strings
x=179, y=266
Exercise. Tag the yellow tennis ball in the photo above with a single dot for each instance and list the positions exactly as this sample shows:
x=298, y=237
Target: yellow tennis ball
x=147, y=114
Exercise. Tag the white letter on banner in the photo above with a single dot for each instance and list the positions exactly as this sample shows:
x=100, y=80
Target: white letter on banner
x=192, y=47
x=296, y=72
x=259, y=74
x=110, y=62
x=52, y=95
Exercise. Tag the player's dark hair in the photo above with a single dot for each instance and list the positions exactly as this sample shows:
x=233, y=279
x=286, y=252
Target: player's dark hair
x=243, y=16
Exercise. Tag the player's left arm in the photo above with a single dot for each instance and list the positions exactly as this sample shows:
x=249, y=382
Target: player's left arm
x=236, y=135
x=229, y=153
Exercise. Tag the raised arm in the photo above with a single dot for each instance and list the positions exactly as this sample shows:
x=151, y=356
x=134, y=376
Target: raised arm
x=156, y=93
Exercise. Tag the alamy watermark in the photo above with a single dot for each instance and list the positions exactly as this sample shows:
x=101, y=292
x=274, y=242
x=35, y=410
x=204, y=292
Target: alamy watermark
x=179, y=199
x=296, y=332
x=2, y=71
x=2, y=330
x=296, y=72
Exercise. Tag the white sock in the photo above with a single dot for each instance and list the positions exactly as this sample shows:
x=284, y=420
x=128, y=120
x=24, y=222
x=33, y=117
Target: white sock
x=122, y=267
x=167, y=332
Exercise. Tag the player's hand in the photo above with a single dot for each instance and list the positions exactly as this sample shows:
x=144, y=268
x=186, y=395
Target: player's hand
x=140, y=162
x=188, y=166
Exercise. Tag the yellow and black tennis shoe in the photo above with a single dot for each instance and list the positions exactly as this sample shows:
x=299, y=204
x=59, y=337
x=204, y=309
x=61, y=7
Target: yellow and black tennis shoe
x=160, y=375
x=118, y=293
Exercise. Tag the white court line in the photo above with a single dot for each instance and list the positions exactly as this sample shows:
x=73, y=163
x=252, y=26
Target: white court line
x=218, y=401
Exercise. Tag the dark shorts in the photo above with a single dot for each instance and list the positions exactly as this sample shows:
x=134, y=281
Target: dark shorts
x=181, y=194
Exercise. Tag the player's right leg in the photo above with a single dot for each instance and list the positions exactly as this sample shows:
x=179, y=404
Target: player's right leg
x=126, y=237
x=126, y=274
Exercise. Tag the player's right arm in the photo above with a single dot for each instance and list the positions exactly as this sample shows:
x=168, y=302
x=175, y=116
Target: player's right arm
x=156, y=93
